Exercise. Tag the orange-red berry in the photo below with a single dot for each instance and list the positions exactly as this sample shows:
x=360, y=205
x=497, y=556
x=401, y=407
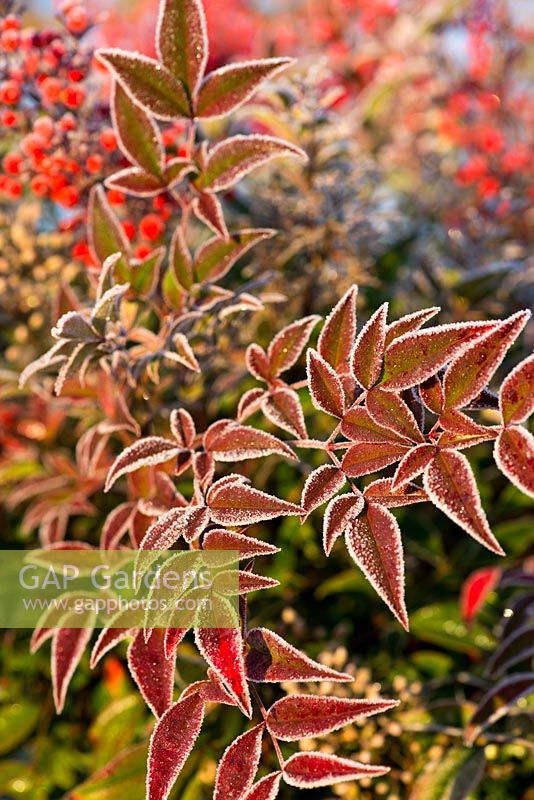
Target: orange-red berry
x=108, y=139
x=151, y=227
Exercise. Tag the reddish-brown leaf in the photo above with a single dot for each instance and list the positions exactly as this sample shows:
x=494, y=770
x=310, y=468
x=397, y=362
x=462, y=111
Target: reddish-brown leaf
x=187, y=522
x=337, y=336
x=227, y=88
x=299, y=716
x=239, y=765
x=366, y=457
x=451, y=486
x=321, y=484
x=288, y=344
x=411, y=322
x=233, y=158
x=339, y=514
x=374, y=542
x=250, y=403
x=471, y=370
x=248, y=546
x=172, y=740
x=476, y=589
x=326, y=389
x=135, y=181
x=172, y=638
x=270, y=659
x=514, y=455
x=266, y=789
x=359, y=426
x=417, y=355
x=258, y=363
x=208, y=209
x=390, y=411
x=107, y=639
x=215, y=258
x=143, y=453
x=368, y=351
x=516, y=399
x=138, y=135
x=431, y=394
x=283, y=408
x=237, y=442
x=182, y=427
x=239, y=504
x=182, y=40
x=152, y=670
x=117, y=523
x=413, y=464
x=381, y=492
x=223, y=650
x=68, y=645
x=311, y=770
x=148, y=84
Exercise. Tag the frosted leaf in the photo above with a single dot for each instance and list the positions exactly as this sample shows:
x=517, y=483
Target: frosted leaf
x=152, y=670
x=117, y=523
x=514, y=455
x=516, y=398
x=248, y=546
x=187, y=522
x=209, y=211
x=339, y=514
x=68, y=645
x=258, y=363
x=390, y=411
x=138, y=135
x=266, y=789
x=311, y=770
x=321, y=484
x=182, y=427
x=239, y=765
x=239, y=504
x=366, y=457
x=182, y=40
x=227, y=88
x=240, y=442
x=143, y=453
x=374, y=542
x=383, y=493
x=286, y=347
x=410, y=322
x=413, y=464
x=451, y=486
x=368, y=352
x=337, y=336
x=249, y=403
x=215, y=258
x=223, y=650
x=283, y=408
x=359, y=426
x=326, y=388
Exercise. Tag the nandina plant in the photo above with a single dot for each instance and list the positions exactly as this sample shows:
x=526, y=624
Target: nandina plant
x=399, y=397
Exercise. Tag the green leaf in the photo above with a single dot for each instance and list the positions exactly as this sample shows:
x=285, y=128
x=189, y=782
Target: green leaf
x=216, y=256
x=17, y=721
x=135, y=181
x=123, y=777
x=106, y=235
x=440, y=624
x=182, y=40
x=173, y=293
x=144, y=276
x=148, y=83
x=180, y=260
x=453, y=778
x=115, y=727
x=138, y=135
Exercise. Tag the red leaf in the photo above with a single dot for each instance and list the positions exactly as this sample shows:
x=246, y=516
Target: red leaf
x=339, y=514
x=476, y=589
x=239, y=765
x=172, y=740
x=359, y=426
x=208, y=209
x=368, y=351
x=457, y=422
x=337, y=336
x=183, y=427
x=300, y=716
x=148, y=84
x=431, y=394
x=152, y=671
x=107, y=639
x=321, y=484
x=288, y=344
x=136, y=182
x=223, y=650
x=374, y=542
x=451, y=486
x=144, y=453
x=187, y=522
x=418, y=355
x=411, y=322
x=227, y=88
x=249, y=403
x=310, y=770
x=366, y=457
x=172, y=638
x=390, y=411
x=266, y=789
x=514, y=455
x=516, y=397
x=413, y=464
x=237, y=442
x=182, y=40
x=238, y=504
x=248, y=547
x=470, y=371
x=117, y=523
x=326, y=388
x=381, y=492
x=258, y=363
x=233, y=158
x=270, y=659
x=68, y=646
x=283, y=408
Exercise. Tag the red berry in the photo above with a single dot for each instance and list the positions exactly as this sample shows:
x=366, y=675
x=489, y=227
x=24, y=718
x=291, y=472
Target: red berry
x=10, y=41
x=13, y=188
x=77, y=19
x=108, y=139
x=151, y=227
x=94, y=164
x=129, y=229
x=9, y=119
x=142, y=251
x=51, y=90
x=68, y=196
x=40, y=185
x=116, y=198
x=12, y=163
x=67, y=122
x=10, y=93
x=73, y=95
x=44, y=126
